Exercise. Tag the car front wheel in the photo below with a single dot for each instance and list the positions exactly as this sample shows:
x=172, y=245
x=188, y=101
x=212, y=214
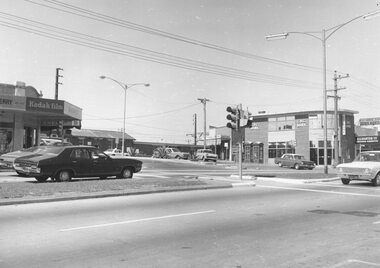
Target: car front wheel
x=280, y=164
x=127, y=173
x=63, y=175
x=376, y=180
x=345, y=181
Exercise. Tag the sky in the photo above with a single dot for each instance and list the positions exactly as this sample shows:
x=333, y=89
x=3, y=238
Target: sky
x=190, y=50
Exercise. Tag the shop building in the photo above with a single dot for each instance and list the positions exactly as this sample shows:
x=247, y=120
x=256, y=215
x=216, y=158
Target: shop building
x=24, y=115
x=367, y=135
x=104, y=139
x=272, y=135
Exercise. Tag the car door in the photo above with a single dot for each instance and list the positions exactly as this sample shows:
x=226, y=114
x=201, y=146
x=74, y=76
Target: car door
x=287, y=160
x=101, y=163
x=80, y=162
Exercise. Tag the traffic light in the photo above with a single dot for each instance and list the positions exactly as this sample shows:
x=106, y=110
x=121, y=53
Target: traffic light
x=234, y=117
x=60, y=127
x=249, y=122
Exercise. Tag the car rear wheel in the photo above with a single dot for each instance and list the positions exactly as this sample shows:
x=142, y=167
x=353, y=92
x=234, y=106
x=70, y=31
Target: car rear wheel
x=345, y=181
x=127, y=173
x=64, y=175
x=376, y=180
x=41, y=178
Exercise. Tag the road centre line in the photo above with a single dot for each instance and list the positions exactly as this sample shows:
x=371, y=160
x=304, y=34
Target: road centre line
x=138, y=220
x=317, y=191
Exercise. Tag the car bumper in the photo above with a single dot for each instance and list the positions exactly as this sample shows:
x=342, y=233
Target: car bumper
x=28, y=171
x=307, y=166
x=6, y=164
x=357, y=177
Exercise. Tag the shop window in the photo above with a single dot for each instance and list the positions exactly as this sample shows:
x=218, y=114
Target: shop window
x=277, y=149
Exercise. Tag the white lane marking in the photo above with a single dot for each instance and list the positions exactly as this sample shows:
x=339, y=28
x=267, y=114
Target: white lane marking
x=355, y=261
x=318, y=191
x=376, y=222
x=138, y=220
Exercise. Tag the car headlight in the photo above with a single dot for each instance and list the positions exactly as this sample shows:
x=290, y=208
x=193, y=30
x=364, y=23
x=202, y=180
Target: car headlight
x=340, y=170
x=367, y=171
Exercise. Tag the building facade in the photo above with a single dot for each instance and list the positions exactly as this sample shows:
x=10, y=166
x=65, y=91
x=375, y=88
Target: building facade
x=272, y=135
x=24, y=114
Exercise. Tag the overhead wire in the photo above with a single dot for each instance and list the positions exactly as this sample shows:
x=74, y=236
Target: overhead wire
x=149, y=55
x=89, y=14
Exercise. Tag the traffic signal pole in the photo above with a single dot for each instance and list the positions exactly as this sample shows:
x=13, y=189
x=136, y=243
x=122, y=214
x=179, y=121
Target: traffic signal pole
x=235, y=116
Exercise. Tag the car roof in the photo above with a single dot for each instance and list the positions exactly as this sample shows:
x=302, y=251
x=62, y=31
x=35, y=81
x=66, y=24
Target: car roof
x=78, y=146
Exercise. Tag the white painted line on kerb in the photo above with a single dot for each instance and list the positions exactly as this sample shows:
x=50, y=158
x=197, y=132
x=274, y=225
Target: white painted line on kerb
x=318, y=191
x=376, y=222
x=347, y=262
x=138, y=220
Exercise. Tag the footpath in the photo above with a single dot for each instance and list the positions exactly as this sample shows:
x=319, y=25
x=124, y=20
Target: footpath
x=15, y=190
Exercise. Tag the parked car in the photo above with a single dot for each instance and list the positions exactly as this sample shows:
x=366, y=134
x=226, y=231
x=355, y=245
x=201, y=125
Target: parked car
x=365, y=167
x=115, y=152
x=296, y=161
x=66, y=162
x=169, y=152
x=205, y=155
x=7, y=160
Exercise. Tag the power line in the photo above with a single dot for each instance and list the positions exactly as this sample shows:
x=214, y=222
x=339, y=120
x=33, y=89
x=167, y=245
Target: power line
x=85, y=13
x=148, y=55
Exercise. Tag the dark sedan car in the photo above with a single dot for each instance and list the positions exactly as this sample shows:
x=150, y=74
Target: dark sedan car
x=64, y=163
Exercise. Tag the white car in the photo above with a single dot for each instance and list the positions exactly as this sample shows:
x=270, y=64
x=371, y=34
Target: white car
x=206, y=155
x=365, y=167
x=115, y=152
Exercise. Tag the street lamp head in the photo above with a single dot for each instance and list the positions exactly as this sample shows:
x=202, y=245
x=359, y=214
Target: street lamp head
x=146, y=85
x=276, y=36
x=102, y=77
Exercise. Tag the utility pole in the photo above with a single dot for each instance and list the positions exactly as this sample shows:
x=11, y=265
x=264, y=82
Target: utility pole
x=57, y=83
x=204, y=101
x=195, y=128
x=336, y=118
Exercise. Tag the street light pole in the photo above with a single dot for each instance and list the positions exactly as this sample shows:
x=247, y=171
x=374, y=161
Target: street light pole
x=325, y=166
x=125, y=87
x=323, y=38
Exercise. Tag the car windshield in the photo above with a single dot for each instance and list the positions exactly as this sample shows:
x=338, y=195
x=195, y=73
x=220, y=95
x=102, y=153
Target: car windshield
x=368, y=156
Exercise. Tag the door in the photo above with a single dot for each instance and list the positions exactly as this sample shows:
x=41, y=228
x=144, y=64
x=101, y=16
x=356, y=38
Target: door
x=101, y=163
x=81, y=162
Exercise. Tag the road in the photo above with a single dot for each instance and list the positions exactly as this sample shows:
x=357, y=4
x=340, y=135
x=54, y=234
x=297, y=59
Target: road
x=271, y=225
x=166, y=168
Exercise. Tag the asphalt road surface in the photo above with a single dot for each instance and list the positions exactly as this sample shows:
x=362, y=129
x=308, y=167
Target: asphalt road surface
x=271, y=225
x=166, y=168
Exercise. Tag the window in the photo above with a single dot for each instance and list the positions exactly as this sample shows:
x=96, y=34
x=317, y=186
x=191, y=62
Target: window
x=277, y=149
x=282, y=123
x=79, y=154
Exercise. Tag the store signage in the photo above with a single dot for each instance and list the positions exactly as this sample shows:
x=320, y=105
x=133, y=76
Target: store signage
x=301, y=123
x=255, y=126
x=44, y=105
x=12, y=103
x=367, y=139
x=369, y=121
x=73, y=111
x=66, y=123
